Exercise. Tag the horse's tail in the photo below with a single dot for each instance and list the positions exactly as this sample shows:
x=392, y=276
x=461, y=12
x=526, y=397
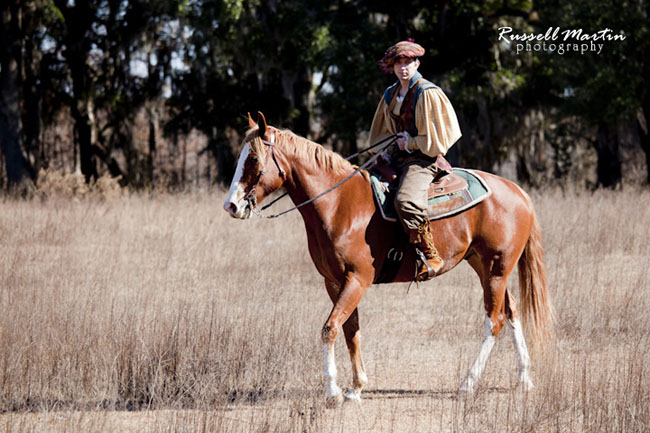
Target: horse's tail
x=536, y=307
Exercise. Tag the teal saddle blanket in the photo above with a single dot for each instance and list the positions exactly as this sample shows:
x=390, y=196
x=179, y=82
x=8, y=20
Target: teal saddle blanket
x=441, y=206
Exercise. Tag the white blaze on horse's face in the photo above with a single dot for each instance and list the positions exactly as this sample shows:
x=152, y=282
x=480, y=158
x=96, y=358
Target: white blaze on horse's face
x=236, y=204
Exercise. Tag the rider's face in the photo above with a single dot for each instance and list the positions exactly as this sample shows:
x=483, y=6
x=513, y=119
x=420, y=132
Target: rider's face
x=405, y=68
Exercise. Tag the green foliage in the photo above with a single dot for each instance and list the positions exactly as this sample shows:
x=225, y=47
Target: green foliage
x=312, y=67
x=605, y=86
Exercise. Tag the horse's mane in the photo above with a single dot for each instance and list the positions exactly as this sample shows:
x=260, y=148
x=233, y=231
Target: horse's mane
x=301, y=148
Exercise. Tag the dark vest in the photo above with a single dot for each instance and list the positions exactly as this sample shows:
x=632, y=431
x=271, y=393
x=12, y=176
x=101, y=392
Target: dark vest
x=406, y=119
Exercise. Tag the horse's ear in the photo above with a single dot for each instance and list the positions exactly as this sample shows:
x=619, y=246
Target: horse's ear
x=251, y=122
x=261, y=122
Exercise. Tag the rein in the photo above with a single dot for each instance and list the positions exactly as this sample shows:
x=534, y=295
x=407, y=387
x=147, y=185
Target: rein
x=391, y=140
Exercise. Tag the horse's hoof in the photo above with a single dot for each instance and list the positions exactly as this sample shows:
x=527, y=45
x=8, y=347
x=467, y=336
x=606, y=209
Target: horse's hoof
x=526, y=384
x=466, y=388
x=353, y=395
x=334, y=401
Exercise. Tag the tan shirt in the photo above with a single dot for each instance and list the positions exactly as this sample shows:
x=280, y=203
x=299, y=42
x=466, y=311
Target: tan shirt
x=435, y=120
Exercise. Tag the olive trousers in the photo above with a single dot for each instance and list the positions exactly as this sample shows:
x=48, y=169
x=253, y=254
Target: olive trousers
x=415, y=175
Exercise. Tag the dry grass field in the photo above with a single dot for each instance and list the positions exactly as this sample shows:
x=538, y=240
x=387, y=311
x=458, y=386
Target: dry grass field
x=162, y=314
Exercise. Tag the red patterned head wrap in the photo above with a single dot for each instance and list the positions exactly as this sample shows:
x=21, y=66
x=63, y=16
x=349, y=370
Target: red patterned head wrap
x=401, y=49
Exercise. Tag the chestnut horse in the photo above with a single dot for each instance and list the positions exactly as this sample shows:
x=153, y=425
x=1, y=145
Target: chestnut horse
x=349, y=242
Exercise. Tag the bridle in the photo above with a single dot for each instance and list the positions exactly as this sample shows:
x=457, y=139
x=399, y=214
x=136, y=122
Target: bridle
x=251, y=197
x=252, y=200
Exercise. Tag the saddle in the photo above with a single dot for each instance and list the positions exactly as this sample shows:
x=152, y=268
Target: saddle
x=449, y=194
x=447, y=184
x=443, y=184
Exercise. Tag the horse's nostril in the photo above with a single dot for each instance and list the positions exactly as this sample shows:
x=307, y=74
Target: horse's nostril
x=231, y=208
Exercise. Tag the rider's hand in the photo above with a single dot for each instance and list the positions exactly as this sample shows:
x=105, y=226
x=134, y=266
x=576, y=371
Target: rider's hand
x=403, y=140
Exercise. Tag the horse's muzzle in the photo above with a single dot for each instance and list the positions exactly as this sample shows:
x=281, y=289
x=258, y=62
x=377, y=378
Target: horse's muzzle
x=235, y=211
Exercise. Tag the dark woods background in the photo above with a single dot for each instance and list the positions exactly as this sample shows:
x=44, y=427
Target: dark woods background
x=156, y=91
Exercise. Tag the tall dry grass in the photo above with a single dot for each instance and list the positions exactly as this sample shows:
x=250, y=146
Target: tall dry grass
x=160, y=313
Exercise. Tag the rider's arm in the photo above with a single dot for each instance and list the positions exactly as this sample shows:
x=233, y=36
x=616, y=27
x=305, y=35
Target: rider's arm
x=436, y=122
x=381, y=127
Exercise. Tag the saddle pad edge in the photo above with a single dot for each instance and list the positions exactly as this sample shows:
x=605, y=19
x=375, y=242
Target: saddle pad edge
x=457, y=211
x=381, y=208
x=468, y=205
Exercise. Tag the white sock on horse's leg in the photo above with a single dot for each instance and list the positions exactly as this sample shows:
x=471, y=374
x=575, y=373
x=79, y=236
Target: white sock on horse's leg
x=332, y=390
x=359, y=380
x=474, y=374
x=523, y=360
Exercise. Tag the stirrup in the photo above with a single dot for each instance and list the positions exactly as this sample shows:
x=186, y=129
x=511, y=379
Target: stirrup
x=430, y=272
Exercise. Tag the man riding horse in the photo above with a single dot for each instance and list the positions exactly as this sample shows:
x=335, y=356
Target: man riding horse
x=424, y=120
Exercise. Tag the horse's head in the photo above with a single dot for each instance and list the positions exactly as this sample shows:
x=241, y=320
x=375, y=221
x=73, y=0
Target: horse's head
x=258, y=172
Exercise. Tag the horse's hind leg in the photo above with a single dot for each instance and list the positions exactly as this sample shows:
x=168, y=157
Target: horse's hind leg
x=523, y=360
x=353, y=340
x=489, y=338
x=493, y=279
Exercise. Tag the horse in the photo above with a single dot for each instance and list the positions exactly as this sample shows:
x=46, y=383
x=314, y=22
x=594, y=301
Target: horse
x=349, y=242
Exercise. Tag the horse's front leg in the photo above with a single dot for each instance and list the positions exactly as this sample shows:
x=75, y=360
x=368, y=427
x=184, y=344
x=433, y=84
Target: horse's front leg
x=353, y=341
x=345, y=301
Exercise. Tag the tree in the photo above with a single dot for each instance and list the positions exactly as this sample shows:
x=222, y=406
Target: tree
x=16, y=83
x=312, y=67
x=606, y=89
x=101, y=42
x=246, y=56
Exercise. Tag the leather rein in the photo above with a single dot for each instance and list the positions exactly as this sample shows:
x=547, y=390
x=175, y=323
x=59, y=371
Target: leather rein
x=252, y=200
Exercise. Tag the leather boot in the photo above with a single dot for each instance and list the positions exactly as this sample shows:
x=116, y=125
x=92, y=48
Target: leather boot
x=431, y=262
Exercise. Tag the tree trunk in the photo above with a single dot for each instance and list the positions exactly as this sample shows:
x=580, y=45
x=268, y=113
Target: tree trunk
x=32, y=100
x=153, y=127
x=644, y=134
x=609, y=159
x=19, y=171
x=83, y=127
x=220, y=148
x=78, y=19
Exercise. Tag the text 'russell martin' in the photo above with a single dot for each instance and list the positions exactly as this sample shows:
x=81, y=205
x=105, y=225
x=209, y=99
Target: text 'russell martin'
x=560, y=41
